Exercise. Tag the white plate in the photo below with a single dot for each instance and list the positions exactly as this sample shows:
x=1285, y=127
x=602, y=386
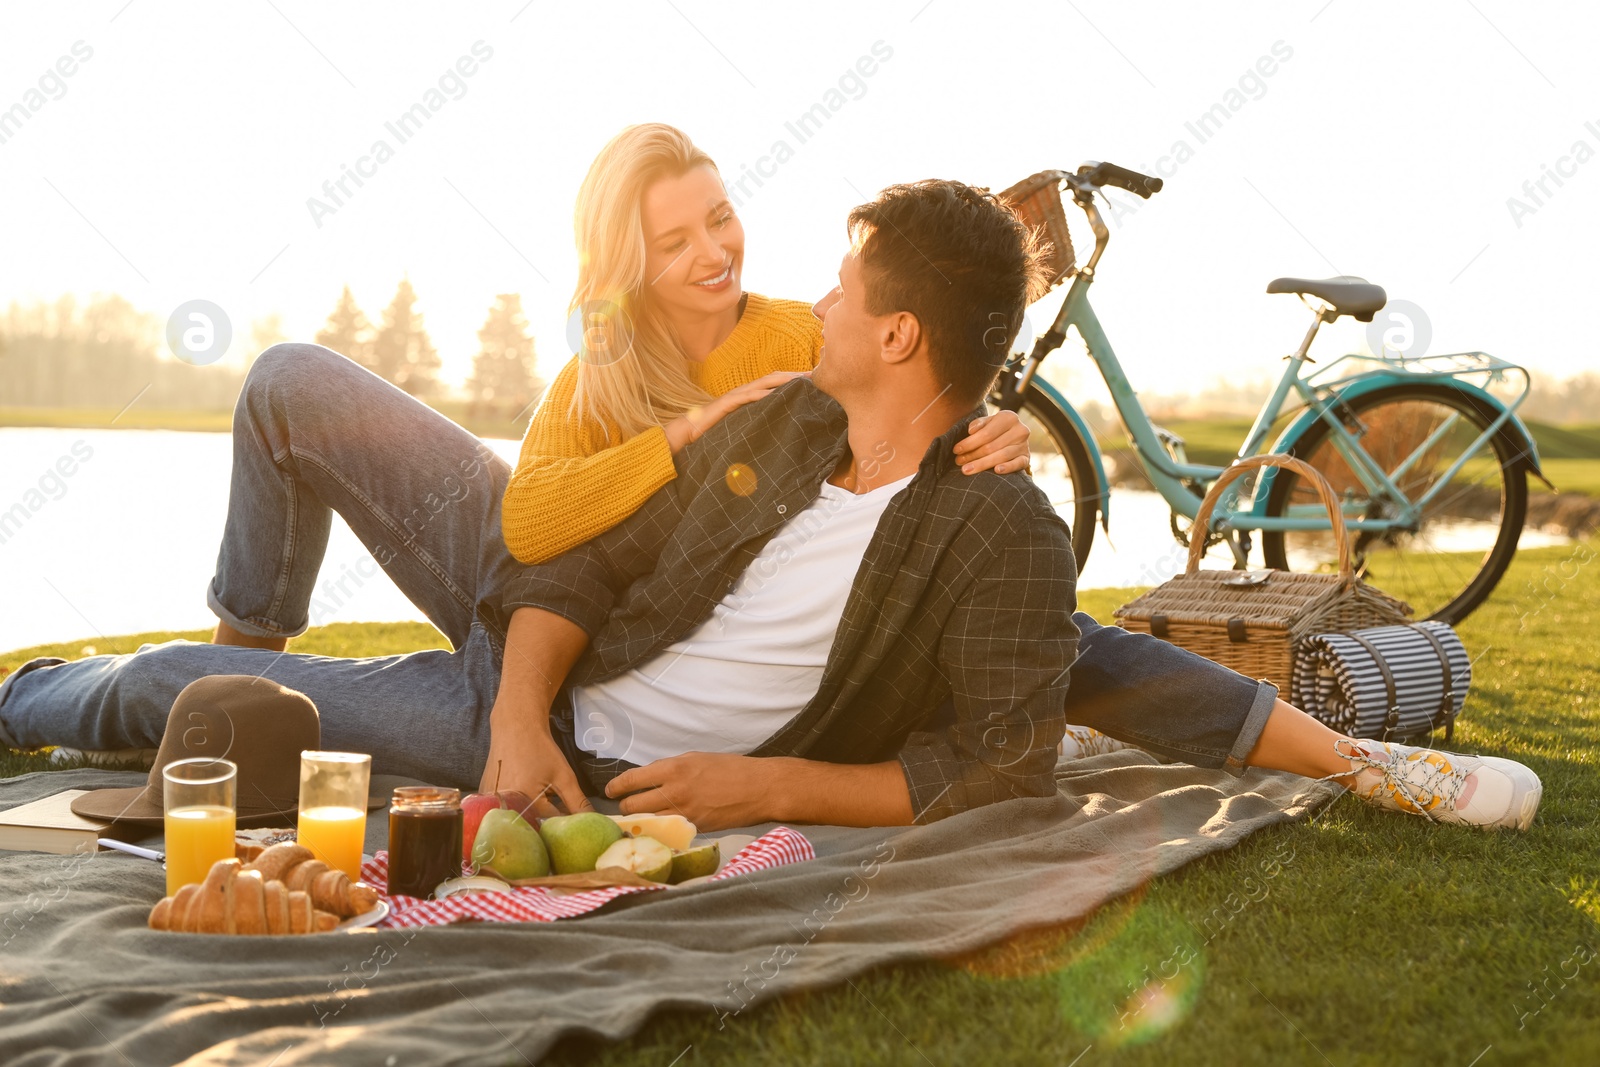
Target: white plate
x=366, y=918
x=480, y=883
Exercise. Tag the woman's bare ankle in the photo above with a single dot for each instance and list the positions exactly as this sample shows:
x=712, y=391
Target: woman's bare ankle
x=227, y=635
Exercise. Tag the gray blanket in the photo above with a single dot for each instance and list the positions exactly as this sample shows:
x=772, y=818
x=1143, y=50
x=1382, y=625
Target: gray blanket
x=82, y=980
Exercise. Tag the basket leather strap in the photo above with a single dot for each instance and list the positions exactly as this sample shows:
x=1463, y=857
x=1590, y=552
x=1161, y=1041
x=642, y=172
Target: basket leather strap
x=1158, y=625
x=1447, y=710
x=1391, y=717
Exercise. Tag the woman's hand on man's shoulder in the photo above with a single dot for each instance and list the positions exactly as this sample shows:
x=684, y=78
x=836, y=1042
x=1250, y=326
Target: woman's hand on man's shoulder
x=997, y=442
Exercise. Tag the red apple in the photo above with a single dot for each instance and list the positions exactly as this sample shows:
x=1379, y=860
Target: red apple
x=521, y=803
x=476, y=805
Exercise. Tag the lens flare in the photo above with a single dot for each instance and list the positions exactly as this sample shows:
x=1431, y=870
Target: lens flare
x=1050, y=949
x=1119, y=859
x=1157, y=1008
x=741, y=479
x=1136, y=985
x=600, y=332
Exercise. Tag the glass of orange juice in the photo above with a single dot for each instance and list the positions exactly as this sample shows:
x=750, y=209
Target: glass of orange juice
x=333, y=807
x=198, y=804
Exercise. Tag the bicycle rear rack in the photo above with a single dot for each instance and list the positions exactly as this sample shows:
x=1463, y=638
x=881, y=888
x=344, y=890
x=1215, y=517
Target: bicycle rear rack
x=1476, y=368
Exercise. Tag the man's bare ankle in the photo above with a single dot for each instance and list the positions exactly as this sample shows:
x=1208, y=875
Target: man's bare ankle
x=227, y=635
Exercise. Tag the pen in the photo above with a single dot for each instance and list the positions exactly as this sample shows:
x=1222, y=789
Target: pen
x=133, y=850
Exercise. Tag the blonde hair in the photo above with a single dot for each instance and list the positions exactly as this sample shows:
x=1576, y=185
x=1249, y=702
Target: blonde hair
x=632, y=370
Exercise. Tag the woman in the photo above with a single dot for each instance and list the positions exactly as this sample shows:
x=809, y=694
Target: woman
x=671, y=345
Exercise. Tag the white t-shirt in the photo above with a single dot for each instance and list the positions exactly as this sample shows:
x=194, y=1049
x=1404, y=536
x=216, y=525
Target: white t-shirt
x=757, y=661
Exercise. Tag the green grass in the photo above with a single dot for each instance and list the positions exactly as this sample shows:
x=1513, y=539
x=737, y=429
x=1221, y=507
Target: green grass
x=1378, y=940
x=1566, y=442
x=1578, y=476
x=1214, y=441
x=1570, y=455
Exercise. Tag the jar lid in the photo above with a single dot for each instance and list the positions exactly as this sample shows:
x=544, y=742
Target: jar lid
x=425, y=798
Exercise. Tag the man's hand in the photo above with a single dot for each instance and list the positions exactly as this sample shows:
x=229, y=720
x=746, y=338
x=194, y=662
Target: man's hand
x=713, y=790
x=540, y=648
x=523, y=755
x=716, y=790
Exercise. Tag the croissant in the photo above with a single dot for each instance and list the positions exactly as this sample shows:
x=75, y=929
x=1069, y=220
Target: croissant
x=232, y=900
x=329, y=888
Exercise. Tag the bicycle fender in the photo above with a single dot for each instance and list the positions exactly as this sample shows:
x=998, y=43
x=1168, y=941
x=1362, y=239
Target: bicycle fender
x=1102, y=483
x=1514, y=425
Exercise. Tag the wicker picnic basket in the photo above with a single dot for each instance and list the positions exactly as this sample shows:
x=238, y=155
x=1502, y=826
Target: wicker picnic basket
x=1255, y=621
x=1037, y=201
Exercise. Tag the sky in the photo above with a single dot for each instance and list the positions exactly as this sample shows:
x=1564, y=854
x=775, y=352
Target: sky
x=185, y=155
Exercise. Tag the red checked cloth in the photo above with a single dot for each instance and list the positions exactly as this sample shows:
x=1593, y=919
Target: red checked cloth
x=537, y=904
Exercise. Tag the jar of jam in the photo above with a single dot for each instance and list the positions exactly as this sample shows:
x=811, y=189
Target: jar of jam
x=424, y=839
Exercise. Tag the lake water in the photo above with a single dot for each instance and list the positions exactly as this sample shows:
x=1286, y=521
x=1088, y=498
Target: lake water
x=122, y=526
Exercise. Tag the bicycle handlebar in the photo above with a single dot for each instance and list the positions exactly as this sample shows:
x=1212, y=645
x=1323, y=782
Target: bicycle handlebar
x=1141, y=185
x=1090, y=177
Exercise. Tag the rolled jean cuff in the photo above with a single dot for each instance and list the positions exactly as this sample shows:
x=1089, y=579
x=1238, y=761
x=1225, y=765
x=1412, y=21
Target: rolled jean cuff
x=8, y=683
x=1255, y=720
x=251, y=629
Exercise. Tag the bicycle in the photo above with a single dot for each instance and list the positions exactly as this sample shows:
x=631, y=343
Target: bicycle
x=1414, y=446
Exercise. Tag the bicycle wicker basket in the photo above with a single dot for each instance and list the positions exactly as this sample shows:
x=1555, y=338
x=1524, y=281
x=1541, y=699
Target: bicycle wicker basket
x=1255, y=622
x=1037, y=202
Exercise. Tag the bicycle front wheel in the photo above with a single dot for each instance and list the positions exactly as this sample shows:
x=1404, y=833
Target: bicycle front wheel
x=1447, y=562
x=1059, y=459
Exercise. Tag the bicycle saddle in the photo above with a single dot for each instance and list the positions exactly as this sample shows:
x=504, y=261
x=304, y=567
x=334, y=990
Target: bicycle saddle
x=1348, y=294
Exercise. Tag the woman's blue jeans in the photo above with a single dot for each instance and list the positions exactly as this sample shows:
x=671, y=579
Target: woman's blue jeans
x=314, y=433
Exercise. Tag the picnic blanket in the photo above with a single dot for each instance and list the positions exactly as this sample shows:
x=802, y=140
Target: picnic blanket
x=83, y=980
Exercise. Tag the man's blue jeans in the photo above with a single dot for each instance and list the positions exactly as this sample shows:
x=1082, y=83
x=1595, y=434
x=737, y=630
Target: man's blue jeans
x=314, y=433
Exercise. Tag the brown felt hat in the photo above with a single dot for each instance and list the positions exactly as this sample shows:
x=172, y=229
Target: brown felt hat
x=258, y=724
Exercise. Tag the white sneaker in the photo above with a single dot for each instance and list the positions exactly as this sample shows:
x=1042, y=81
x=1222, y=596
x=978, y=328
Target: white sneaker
x=1487, y=791
x=1081, y=741
x=145, y=757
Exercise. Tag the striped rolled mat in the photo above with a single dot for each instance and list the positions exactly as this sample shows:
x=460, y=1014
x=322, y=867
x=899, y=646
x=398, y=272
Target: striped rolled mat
x=1383, y=682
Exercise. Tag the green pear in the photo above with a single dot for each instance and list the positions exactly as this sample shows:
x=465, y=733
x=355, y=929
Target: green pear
x=695, y=862
x=575, y=842
x=508, y=843
x=644, y=856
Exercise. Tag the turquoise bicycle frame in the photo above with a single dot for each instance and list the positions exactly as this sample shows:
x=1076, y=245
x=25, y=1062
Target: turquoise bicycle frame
x=1322, y=401
x=1102, y=483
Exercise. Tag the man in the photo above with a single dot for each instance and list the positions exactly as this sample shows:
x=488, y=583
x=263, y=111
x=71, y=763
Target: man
x=961, y=596
x=822, y=575
x=818, y=620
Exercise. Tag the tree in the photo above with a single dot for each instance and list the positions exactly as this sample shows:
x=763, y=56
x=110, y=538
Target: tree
x=348, y=331
x=401, y=351
x=266, y=331
x=101, y=354
x=503, y=377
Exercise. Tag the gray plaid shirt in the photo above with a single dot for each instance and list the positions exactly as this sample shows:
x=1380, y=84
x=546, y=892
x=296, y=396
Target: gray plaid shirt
x=953, y=651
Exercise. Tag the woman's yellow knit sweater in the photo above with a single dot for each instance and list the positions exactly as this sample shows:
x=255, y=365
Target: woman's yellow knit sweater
x=569, y=486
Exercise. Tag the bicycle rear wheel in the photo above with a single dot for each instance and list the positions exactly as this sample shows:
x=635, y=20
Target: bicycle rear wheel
x=1463, y=540
x=1061, y=466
